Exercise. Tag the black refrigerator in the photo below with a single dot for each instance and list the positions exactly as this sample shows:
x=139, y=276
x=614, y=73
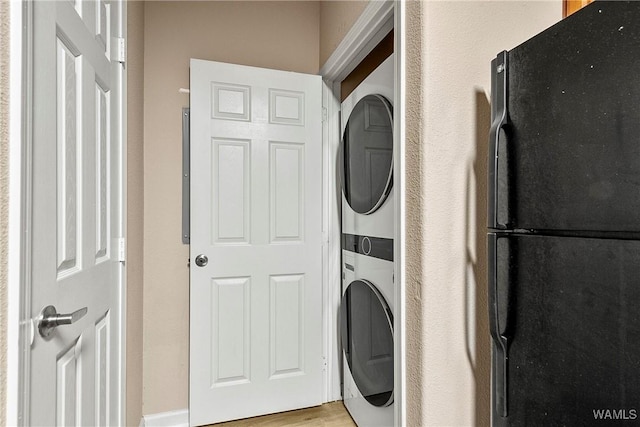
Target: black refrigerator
x=564, y=223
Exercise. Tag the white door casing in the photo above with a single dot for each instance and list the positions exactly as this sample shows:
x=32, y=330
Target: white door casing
x=74, y=376
x=256, y=199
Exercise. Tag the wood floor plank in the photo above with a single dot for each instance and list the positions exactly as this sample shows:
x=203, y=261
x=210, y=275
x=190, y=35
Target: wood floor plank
x=332, y=414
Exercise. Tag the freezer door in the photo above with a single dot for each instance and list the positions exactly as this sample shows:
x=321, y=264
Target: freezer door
x=569, y=149
x=568, y=309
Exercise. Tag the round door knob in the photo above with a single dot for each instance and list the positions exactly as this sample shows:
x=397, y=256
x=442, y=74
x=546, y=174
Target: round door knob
x=202, y=260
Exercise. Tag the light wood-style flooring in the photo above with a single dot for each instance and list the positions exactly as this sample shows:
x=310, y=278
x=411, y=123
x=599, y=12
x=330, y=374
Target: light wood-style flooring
x=328, y=415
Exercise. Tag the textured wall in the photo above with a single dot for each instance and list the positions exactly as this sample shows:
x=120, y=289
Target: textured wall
x=336, y=19
x=4, y=197
x=414, y=208
x=135, y=208
x=448, y=350
x=279, y=35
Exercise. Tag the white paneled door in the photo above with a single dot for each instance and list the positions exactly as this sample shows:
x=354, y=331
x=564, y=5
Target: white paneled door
x=256, y=242
x=73, y=368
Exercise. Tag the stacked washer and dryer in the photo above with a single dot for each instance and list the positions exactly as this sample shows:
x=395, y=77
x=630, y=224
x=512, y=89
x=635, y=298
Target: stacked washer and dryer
x=366, y=311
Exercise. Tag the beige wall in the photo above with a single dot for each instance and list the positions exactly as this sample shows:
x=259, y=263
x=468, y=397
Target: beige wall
x=276, y=35
x=336, y=19
x=4, y=198
x=414, y=207
x=446, y=285
x=135, y=208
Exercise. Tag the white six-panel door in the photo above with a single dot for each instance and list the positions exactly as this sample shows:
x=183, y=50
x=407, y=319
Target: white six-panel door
x=256, y=196
x=76, y=213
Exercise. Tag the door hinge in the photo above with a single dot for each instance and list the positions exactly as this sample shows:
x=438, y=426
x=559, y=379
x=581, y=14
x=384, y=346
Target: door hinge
x=324, y=114
x=122, y=255
x=118, y=50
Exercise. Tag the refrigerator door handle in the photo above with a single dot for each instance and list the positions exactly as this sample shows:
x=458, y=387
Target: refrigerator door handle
x=498, y=313
x=499, y=120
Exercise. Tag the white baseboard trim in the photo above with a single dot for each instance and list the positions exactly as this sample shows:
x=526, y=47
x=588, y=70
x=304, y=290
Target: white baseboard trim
x=166, y=419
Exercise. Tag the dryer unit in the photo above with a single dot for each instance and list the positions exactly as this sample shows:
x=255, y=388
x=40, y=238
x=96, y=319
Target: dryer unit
x=367, y=156
x=366, y=311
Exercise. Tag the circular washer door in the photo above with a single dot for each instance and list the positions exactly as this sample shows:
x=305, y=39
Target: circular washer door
x=367, y=146
x=366, y=324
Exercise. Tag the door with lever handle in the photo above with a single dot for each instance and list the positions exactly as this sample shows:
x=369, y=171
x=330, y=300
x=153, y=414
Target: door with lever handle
x=50, y=319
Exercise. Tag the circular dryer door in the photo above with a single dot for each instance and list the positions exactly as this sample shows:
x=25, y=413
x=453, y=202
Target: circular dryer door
x=367, y=340
x=367, y=146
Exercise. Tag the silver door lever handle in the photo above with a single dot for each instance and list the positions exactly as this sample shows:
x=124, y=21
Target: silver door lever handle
x=50, y=319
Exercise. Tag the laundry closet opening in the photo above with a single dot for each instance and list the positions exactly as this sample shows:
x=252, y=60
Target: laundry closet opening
x=365, y=173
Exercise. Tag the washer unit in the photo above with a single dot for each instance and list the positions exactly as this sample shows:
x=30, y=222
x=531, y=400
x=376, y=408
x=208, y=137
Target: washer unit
x=366, y=311
x=366, y=322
